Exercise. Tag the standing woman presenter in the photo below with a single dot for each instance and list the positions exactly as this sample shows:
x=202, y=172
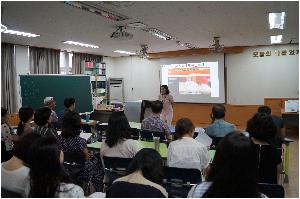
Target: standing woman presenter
x=167, y=100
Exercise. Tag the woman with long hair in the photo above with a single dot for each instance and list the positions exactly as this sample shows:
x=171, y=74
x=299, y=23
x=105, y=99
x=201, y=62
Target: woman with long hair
x=46, y=172
x=26, y=116
x=143, y=179
x=167, y=99
x=15, y=171
x=118, y=141
x=233, y=173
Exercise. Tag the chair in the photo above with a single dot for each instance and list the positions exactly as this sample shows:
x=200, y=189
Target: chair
x=146, y=135
x=215, y=141
x=9, y=194
x=161, y=135
x=178, y=181
x=271, y=190
x=114, y=167
x=73, y=164
x=135, y=133
x=86, y=128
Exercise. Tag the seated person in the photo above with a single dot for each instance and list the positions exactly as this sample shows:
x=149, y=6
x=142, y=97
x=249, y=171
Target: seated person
x=280, y=133
x=219, y=127
x=233, y=173
x=118, y=141
x=26, y=116
x=69, y=139
x=50, y=103
x=42, y=118
x=185, y=152
x=154, y=123
x=261, y=128
x=143, y=179
x=70, y=106
x=46, y=172
x=14, y=172
x=7, y=144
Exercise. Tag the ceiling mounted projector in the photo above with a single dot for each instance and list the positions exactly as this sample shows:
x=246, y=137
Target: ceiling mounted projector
x=216, y=46
x=120, y=34
x=143, y=53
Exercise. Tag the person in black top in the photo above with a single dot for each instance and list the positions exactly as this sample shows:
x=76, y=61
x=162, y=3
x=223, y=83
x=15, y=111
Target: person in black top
x=70, y=106
x=261, y=129
x=143, y=179
x=280, y=133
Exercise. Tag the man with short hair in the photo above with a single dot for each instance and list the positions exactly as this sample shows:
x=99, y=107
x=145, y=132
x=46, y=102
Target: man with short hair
x=154, y=123
x=219, y=127
x=280, y=134
x=50, y=103
x=69, y=106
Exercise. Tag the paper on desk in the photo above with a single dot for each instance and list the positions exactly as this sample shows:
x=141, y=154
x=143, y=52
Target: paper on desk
x=202, y=137
x=291, y=106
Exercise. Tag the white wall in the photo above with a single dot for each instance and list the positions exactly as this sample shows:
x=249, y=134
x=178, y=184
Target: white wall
x=22, y=67
x=250, y=79
x=140, y=76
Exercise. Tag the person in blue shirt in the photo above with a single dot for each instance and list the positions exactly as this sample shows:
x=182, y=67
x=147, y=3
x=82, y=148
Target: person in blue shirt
x=219, y=127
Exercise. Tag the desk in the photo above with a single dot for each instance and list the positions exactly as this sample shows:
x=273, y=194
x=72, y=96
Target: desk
x=90, y=122
x=163, y=150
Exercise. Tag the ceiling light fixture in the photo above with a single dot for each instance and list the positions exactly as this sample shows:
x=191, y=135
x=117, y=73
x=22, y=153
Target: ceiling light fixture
x=80, y=44
x=276, y=20
x=3, y=28
x=276, y=39
x=19, y=33
x=124, y=52
x=93, y=7
x=159, y=34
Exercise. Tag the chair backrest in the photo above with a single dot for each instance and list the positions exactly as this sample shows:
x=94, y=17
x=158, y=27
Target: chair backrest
x=101, y=128
x=73, y=158
x=195, y=134
x=9, y=194
x=116, y=163
x=161, y=135
x=215, y=141
x=135, y=133
x=178, y=181
x=86, y=128
x=271, y=190
x=182, y=176
x=146, y=135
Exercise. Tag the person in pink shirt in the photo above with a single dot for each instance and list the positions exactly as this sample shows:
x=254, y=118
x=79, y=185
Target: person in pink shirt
x=167, y=100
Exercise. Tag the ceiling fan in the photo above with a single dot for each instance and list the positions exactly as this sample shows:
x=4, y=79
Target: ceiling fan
x=143, y=53
x=216, y=46
x=121, y=34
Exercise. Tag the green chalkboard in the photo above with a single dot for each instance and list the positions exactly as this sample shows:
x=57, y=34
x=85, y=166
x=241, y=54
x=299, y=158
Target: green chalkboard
x=34, y=88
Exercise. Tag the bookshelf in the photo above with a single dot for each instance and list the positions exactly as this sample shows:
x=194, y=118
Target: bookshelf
x=97, y=72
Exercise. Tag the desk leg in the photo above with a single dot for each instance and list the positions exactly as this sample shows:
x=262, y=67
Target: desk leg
x=286, y=163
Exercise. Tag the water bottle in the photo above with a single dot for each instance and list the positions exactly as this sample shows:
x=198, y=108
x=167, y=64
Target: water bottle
x=87, y=117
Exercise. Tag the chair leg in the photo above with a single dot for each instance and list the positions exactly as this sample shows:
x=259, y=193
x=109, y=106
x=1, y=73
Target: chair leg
x=286, y=163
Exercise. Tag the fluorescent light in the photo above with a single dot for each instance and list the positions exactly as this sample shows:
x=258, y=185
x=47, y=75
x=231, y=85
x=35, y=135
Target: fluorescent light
x=160, y=34
x=276, y=20
x=15, y=32
x=80, y=44
x=276, y=39
x=124, y=52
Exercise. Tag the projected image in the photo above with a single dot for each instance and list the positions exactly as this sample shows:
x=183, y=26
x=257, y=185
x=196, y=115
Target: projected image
x=191, y=78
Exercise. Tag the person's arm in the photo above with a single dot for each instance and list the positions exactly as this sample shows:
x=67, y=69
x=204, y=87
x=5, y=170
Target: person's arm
x=168, y=133
x=85, y=153
x=171, y=100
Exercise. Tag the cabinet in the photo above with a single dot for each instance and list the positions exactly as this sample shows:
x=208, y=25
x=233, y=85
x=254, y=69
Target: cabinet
x=97, y=72
x=276, y=104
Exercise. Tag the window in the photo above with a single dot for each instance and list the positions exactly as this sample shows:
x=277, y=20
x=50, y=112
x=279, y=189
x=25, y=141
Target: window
x=65, y=62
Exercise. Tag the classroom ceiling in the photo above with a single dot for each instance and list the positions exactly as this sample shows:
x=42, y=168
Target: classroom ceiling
x=194, y=22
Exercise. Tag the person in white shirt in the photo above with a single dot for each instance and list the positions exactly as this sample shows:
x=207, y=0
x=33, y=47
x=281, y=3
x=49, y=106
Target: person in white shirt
x=186, y=152
x=14, y=172
x=118, y=141
x=50, y=103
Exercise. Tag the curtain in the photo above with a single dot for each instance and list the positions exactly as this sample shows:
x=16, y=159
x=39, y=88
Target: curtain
x=44, y=61
x=77, y=59
x=8, y=78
